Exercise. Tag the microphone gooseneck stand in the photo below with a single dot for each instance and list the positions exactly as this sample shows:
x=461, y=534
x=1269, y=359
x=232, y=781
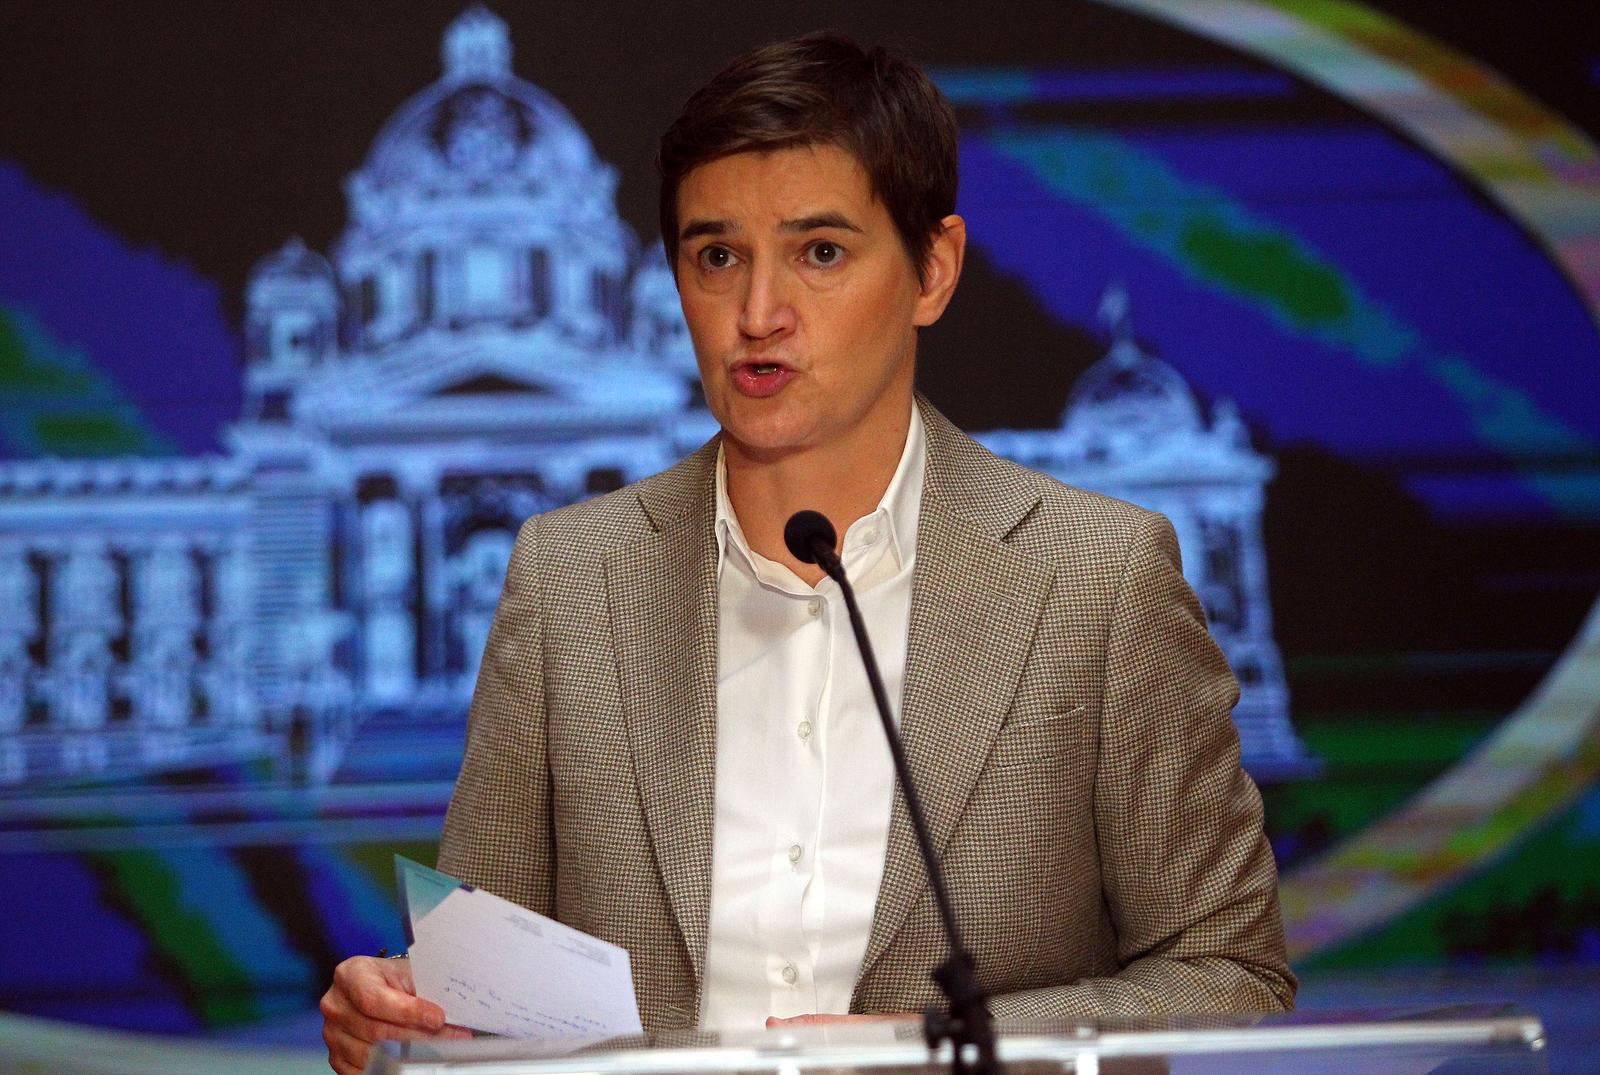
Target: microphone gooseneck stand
x=967, y=1026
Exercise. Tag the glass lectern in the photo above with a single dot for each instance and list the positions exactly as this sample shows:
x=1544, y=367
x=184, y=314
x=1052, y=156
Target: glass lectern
x=1453, y=1040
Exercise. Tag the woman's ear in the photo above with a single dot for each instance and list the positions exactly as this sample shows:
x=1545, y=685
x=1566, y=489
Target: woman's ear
x=941, y=269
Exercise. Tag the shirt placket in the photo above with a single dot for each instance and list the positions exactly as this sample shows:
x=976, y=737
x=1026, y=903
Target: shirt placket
x=794, y=738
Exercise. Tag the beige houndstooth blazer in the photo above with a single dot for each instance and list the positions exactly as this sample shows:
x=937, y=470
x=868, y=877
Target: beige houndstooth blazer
x=1065, y=712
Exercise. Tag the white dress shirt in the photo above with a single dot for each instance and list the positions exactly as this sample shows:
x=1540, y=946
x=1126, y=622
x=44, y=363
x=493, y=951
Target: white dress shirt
x=804, y=780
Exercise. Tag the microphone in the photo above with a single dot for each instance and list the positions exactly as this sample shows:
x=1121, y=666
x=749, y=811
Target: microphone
x=811, y=538
x=968, y=1026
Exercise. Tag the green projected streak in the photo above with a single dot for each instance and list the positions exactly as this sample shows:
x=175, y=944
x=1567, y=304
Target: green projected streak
x=57, y=403
x=1215, y=240
x=197, y=909
x=1505, y=909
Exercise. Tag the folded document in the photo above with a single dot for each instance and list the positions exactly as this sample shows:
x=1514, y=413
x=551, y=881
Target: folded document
x=497, y=967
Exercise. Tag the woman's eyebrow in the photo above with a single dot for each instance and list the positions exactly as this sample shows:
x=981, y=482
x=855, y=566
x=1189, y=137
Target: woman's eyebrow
x=696, y=228
x=819, y=220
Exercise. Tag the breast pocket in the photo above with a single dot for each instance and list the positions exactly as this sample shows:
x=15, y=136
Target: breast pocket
x=1029, y=736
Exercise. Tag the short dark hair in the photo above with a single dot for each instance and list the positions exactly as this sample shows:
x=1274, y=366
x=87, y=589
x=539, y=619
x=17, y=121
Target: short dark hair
x=824, y=89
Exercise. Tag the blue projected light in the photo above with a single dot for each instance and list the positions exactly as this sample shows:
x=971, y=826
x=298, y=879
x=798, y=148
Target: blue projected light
x=998, y=86
x=1346, y=290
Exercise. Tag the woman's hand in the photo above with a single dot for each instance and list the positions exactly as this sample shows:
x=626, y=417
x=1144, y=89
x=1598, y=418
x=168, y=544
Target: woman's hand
x=372, y=1000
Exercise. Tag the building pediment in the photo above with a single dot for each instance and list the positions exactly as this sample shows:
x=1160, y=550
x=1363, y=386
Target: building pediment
x=420, y=379
x=492, y=384
x=502, y=372
x=490, y=388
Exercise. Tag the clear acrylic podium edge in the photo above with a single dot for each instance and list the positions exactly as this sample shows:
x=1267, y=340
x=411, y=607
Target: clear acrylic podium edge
x=1368, y=1041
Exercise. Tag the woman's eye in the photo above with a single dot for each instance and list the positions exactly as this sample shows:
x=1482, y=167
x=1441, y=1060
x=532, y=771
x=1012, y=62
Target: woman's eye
x=824, y=252
x=716, y=257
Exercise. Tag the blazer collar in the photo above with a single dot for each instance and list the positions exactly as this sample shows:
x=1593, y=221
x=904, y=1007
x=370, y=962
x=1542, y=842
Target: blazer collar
x=662, y=592
x=971, y=483
x=975, y=606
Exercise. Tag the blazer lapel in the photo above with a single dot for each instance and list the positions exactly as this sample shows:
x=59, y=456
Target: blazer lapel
x=975, y=605
x=663, y=597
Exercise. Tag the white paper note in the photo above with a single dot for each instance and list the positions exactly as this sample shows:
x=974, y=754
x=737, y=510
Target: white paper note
x=495, y=966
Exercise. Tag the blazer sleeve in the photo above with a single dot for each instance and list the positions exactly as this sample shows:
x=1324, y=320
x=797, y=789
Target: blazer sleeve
x=1186, y=870
x=497, y=831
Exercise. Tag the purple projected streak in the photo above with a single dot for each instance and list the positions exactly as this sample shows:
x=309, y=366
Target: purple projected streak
x=151, y=329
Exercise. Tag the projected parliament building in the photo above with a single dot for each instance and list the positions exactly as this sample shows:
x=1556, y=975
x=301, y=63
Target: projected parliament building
x=487, y=340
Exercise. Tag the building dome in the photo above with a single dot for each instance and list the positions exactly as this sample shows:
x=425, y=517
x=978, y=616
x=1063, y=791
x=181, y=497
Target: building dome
x=1130, y=393
x=482, y=204
x=479, y=126
x=294, y=266
x=292, y=308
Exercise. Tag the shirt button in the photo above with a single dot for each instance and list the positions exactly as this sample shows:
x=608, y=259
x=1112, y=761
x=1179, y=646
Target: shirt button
x=870, y=536
x=790, y=975
x=795, y=852
x=804, y=729
x=814, y=607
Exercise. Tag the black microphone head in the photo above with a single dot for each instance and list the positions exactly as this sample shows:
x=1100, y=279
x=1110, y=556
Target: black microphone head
x=804, y=530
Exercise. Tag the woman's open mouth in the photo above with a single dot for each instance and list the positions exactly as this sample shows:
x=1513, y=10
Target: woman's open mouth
x=761, y=379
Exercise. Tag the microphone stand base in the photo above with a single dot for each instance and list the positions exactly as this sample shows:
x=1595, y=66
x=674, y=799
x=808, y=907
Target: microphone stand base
x=968, y=1026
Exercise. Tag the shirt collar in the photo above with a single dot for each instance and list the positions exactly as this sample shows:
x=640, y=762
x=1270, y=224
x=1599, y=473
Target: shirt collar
x=897, y=514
